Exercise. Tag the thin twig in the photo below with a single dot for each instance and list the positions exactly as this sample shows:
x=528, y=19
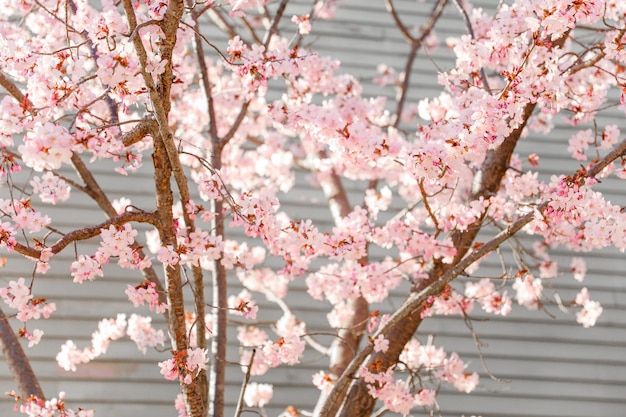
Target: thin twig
x=244, y=385
x=470, y=30
x=274, y=27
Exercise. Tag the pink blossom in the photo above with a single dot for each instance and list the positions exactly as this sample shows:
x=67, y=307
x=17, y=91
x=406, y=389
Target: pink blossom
x=610, y=136
x=289, y=325
x=121, y=204
x=258, y=395
x=189, y=362
x=416, y=355
x=286, y=350
x=425, y=397
x=529, y=291
x=47, y=147
x=243, y=305
x=323, y=381
x=303, y=22
x=466, y=382
x=197, y=359
x=30, y=220
x=7, y=236
x=69, y=356
x=50, y=188
x=16, y=294
x=168, y=256
x=579, y=268
x=579, y=143
x=548, y=269
x=37, y=407
x=590, y=311
x=85, y=268
x=34, y=337
x=181, y=406
x=589, y=314
x=387, y=75
x=381, y=344
x=169, y=369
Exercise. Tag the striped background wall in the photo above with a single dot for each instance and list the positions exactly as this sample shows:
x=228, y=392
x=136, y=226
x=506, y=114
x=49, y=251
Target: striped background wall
x=555, y=367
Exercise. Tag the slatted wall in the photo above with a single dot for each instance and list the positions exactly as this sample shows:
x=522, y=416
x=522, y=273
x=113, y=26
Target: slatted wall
x=555, y=367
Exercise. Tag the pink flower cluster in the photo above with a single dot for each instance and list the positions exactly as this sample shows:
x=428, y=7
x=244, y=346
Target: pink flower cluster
x=50, y=188
x=434, y=361
x=47, y=147
x=18, y=296
x=395, y=394
x=285, y=350
x=146, y=293
x=258, y=395
x=24, y=216
x=325, y=123
x=243, y=305
x=492, y=301
x=590, y=311
x=55, y=407
x=138, y=328
x=529, y=291
x=117, y=242
x=85, y=268
x=184, y=364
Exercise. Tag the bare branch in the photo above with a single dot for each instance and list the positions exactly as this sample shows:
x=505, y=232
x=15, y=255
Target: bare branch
x=206, y=83
x=416, y=44
x=233, y=129
x=221, y=22
x=274, y=27
x=244, y=384
x=251, y=30
x=427, y=206
x=394, y=13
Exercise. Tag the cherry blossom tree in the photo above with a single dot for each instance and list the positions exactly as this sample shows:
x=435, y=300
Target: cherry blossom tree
x=138, y=84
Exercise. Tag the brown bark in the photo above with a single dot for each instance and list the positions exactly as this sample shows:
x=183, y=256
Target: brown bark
x=167, y=234
x=220, y=302
x=167, y=164
x=18, y=362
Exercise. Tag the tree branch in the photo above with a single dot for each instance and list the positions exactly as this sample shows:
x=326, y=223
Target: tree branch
x=140, y=131
x=89, y=232
x=274, y=27
x=11, y=88
x=416, y=44
x=409, y=312
x=160, y=98
x=18, y=362
x=204, y=76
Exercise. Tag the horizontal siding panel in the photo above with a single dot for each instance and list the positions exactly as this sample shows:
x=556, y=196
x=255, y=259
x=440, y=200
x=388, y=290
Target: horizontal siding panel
x=556, y=368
